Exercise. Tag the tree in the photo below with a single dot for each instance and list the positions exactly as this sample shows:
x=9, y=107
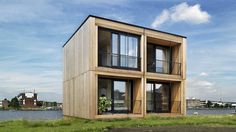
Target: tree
x=216, y=105
x=15, y=103
x=54, y=104
x=208, y=104
x=228, y=105
x=40, y=103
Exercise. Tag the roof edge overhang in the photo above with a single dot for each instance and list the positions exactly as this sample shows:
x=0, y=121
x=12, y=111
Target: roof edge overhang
x=121, y=23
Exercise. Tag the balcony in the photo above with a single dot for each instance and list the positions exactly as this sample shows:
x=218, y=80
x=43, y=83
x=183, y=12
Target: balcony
x=119, y=61
x=117, y=49
x=164, y=67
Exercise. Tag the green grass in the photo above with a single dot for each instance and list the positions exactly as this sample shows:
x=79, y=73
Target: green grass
x=77, y=125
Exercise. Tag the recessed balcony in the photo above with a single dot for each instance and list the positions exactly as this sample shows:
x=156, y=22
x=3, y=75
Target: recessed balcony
x=163, y=57
x=118, y=49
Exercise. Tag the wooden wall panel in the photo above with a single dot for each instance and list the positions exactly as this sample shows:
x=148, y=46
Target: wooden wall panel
x=183, y=57
x=163, y=36
x=176, y=97
x=137, y=91
x=93, y=80
x=176, y=59
x=183, y=99
x=77, y=64
x=76, y=97
x=71, y=87
x=118, y=26
x=144, y=84
x=64, y=99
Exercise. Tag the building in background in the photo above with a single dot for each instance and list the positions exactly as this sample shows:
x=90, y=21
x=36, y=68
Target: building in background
x=27, y=99
x=4, y=104
x=194, y=103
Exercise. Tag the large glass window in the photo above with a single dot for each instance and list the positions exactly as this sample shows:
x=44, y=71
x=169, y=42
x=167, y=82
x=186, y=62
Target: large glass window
x=162, y=60
x=158, y=59
x=124, y=49
x=119, y=92
x=158, y=97
x=104, y=46
x=115, y=50
x=122, y=96
x=128, y=51
x=105, y=90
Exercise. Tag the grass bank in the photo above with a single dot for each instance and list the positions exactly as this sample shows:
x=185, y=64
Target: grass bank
x=75, y=124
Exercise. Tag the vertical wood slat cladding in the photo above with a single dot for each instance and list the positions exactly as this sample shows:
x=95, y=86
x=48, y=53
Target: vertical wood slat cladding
x=137, y=91
x=176, y=97
x=80, y=71
x=77, y=64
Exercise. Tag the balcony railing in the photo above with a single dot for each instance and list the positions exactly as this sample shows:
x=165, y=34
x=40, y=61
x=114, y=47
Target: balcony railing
x=165, y=67
x=161, y=107
x=119, y=61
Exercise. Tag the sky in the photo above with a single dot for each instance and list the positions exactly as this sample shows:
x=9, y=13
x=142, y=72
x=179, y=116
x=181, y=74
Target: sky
x=32, y=34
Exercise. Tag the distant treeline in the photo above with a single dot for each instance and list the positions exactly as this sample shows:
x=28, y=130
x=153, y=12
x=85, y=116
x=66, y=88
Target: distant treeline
x=209, y=104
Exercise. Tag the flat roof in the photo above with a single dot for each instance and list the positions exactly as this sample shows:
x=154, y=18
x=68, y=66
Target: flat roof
x=121, y=23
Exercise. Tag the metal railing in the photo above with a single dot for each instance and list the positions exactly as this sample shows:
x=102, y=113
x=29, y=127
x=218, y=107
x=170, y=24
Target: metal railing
x=163, y=107
x=165, y=67
x=119, y=61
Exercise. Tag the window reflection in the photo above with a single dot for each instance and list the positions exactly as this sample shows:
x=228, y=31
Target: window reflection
x=118, y=50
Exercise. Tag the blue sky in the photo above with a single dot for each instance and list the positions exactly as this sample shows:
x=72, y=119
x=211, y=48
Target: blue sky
x=33, y=32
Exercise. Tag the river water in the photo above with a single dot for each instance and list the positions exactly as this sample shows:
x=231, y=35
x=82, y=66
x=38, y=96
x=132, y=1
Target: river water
x=211, y=111
x=30, y=115
x=47, y=115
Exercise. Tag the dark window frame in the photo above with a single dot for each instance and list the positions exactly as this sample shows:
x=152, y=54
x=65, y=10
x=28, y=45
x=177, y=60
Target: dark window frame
x=169, y=84
x=169, y=60
x=112, y=93
x=119, y=33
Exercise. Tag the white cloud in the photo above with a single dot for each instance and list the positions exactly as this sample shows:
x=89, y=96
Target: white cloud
x=203, y=74
x=198, y=87
x=182, y=13
x=161, y=18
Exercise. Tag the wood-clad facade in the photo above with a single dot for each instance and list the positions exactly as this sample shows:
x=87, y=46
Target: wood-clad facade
x=118, y=63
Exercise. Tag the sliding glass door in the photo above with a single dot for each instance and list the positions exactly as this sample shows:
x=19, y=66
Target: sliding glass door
x=162, y=60
x=122, y=96
x=115, y=50
x=118, y=49
x=119, y=92
x=129, y=51
x=158, y=97
x=158, y=59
